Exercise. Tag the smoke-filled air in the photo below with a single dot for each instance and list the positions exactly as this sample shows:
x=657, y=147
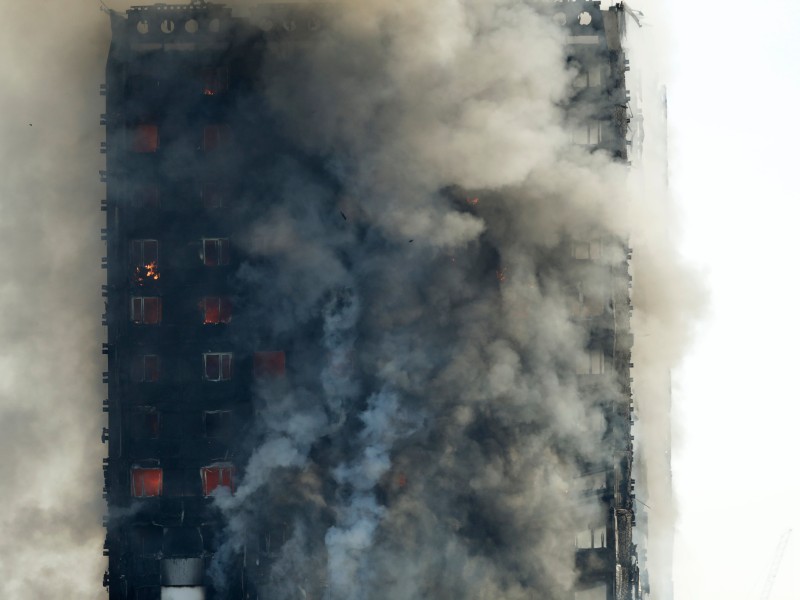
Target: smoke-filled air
x=415, y=236
x=51, y=534
x=424, y=202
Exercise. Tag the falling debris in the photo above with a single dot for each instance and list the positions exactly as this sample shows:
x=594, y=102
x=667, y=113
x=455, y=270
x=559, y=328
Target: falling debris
x=343, y=215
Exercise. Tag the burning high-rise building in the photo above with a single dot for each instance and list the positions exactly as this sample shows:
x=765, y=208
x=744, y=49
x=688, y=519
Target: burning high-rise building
x=368, y=303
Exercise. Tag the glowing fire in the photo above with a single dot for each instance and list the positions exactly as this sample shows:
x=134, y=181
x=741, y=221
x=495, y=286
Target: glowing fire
x=152, y=271
x=501, y=274
x=148, y=271
x=473, y=201
x=208, y=92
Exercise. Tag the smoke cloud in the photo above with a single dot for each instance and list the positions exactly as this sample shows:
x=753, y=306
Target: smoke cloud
x=422, y=204
x=51, y=532
x=426, y=439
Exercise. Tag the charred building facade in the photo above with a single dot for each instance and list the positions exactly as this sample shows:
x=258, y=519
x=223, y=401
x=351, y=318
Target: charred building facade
x=190, y=158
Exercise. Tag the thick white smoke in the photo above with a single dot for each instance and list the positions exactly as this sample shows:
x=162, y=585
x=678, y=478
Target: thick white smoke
x=428, y=181
x=51, y=533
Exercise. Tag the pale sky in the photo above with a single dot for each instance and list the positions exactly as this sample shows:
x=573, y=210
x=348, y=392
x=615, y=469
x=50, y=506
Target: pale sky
x=733, y=91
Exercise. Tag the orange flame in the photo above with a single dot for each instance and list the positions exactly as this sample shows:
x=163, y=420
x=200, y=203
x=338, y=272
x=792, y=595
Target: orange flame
x=152, y=271
x=208, y=92
x=473, y=201
x=501, y=274
x=145, y=272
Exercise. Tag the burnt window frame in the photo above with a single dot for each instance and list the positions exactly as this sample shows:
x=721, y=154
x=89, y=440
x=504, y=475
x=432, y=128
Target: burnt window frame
x=138, y=251
x=142, y=302
x=221, y=357
x=222, y=246
x=223, y=429
x=160, y=491
x=142, y=368
x=221, y=468
x=224, y=308
x=148, y=423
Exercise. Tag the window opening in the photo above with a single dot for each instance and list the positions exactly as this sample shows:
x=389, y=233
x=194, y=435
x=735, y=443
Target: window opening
x=217, y=310
x=146, y=310
x=145, y=139
x=144, y=256
x=217, y=366
x=148, y=422
x=218, y=424
x=146, y=483
x=146, y=368
x=591, y=537
x=593, y=363
x=216, y=476
x=591, y=250
x=216, y=252
x=144, y=252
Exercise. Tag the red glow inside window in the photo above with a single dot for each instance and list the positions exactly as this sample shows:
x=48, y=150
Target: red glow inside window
x=217, y=476
x=217, y=310
x=146, y=368
x=214, y=136
x=146, y=310
x=269, y=364
x=146, y=483
x=217, y=366
x=145, y=139
x=216, y=252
